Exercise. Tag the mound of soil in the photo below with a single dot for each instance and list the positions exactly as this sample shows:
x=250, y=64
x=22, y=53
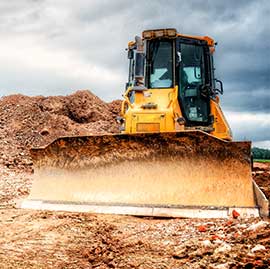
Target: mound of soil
x=35, y=121
x=261, y=174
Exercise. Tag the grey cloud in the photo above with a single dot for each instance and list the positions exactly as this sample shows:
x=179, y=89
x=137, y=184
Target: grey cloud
x=255, y=127
x=261, y=133
x=95, y=34
x=98, y=31
x=254, y=101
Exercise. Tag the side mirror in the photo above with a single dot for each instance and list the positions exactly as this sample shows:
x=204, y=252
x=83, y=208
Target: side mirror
x=217, y=90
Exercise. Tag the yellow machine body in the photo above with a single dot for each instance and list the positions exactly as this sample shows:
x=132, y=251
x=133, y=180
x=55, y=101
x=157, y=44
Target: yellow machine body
x=174, y=156
x=162, y=112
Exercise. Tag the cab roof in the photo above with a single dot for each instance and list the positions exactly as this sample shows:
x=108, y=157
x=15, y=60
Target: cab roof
x=171, y=33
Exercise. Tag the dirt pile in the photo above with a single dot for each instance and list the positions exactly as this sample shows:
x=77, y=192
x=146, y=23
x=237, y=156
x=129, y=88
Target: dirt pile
x=261, y=174
x=27, y=122
x=34, y=121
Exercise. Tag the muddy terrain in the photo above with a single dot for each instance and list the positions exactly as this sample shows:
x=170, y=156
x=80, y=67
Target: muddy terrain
x=41, y=239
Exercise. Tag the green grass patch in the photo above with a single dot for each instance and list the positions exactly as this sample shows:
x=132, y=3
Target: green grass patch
x=261, y=161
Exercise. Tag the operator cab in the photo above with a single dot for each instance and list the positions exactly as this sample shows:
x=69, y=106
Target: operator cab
x=171, y=60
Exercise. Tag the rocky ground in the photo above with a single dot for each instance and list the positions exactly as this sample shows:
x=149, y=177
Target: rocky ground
x=35, y=239
x=261, y=174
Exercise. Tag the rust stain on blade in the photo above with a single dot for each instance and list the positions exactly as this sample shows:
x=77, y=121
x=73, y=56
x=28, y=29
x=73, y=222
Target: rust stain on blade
x=186, y=168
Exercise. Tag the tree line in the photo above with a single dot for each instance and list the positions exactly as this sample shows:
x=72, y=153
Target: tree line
x=259, y=153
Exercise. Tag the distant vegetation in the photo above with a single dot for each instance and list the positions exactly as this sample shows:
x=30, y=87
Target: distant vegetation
x=261, y=161
x=261, y=154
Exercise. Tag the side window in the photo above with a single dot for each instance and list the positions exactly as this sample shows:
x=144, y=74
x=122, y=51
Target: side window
x=161, y=66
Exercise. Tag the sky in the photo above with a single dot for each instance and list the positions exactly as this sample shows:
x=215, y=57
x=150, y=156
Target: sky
x=53, y=47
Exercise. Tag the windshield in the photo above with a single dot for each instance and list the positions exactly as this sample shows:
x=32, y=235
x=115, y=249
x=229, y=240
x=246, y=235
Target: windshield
x=160, y=64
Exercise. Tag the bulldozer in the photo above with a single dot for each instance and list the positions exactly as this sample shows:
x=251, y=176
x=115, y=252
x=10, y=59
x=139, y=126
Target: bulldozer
x=173, y=156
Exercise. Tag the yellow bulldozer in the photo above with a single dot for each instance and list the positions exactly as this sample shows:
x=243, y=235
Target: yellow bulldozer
x=174, y=156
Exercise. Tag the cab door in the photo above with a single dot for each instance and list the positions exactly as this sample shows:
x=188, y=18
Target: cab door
x=193, y=78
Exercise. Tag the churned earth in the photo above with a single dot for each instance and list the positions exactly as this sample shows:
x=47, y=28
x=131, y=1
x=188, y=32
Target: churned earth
x=43, y=239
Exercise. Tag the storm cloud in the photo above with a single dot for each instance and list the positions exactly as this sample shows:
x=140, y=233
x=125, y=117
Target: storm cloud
x=55, y=47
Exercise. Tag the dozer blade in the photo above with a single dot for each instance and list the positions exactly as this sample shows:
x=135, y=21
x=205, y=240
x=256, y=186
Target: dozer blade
x=182, y=174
